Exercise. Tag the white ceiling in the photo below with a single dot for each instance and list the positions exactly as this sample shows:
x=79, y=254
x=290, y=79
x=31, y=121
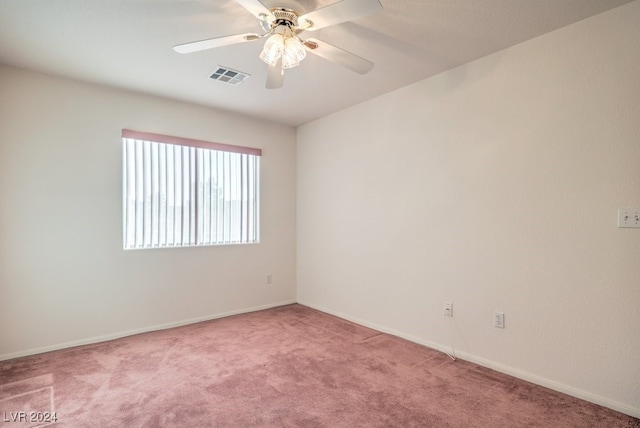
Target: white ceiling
x=128, y=44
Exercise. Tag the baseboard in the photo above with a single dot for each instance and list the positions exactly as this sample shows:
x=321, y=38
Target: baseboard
x=520, y=374
x=148, y=329
x=556, y=386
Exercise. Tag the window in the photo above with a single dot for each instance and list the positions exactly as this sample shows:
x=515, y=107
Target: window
x=179, y=192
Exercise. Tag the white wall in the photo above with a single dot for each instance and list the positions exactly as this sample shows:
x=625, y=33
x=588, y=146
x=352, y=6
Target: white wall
x=64, y=278
x=495, y=186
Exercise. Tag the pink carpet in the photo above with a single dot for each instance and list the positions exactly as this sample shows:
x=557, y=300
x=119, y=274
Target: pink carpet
x=285, y=367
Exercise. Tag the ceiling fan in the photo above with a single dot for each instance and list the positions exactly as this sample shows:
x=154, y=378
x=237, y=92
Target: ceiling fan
x=284, y=48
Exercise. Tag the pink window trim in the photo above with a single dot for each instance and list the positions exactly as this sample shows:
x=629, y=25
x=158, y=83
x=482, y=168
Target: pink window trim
x=167, y=139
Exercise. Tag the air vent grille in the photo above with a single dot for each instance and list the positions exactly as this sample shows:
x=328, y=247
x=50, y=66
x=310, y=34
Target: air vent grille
x=229, y=76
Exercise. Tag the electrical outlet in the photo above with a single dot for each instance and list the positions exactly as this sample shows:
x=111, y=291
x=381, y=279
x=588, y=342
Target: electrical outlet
x=628, y=217
x=498, y=319
x=267, y=278
x=448, y=309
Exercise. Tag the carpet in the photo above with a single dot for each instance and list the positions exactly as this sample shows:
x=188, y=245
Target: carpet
x=290, y=366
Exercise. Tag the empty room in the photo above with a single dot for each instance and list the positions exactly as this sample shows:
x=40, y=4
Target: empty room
x=320, y=213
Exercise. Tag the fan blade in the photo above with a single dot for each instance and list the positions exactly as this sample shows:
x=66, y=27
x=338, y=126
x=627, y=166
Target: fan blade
x=341, y=11
x=256, y=8
x=215, y=42
x=275, y=76
x=339, y=56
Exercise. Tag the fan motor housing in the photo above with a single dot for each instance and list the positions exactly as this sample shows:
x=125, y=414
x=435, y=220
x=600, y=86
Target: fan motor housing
x=286, y=17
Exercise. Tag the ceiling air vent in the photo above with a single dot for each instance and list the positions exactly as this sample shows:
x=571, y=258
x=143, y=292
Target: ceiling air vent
x=227, y=75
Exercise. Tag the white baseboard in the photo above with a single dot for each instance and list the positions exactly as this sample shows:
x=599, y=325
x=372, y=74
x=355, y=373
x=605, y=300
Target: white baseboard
x=118, y=335
x=520, y=374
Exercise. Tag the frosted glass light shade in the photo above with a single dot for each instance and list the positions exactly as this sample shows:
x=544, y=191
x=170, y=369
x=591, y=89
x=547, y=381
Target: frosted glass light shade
x=293, y=53
x=272, y=49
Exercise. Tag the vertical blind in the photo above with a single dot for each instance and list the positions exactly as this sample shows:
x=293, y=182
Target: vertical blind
x=181, y=192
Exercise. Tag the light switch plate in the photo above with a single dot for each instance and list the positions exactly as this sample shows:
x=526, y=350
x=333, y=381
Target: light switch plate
x=629, y=217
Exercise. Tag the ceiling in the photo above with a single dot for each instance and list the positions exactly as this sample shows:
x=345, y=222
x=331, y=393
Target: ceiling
x=128, y=44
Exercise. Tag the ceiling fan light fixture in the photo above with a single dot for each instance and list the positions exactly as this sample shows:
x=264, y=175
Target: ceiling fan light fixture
x=293, y=52
x=283, y=43
x=273, y=48
x=283, y=47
